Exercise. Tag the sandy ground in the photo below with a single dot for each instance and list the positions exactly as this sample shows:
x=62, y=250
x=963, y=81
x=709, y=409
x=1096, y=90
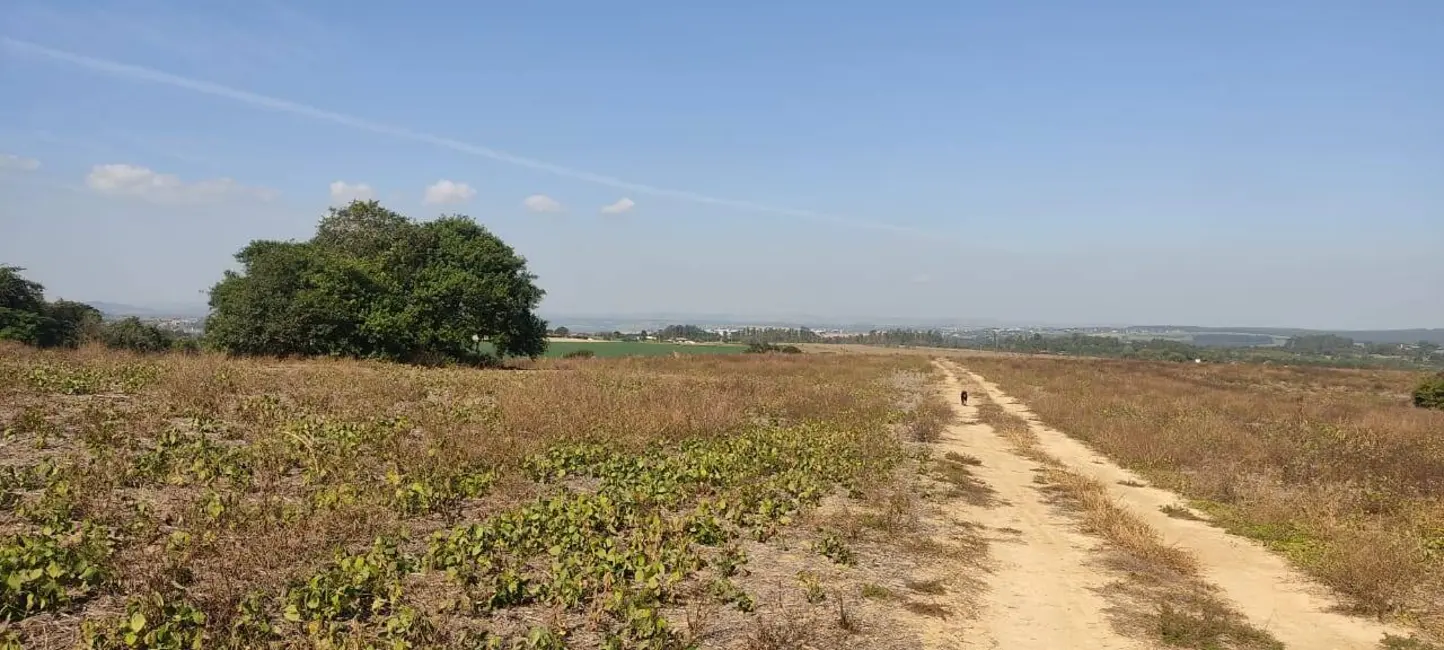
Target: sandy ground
x=1043, y=594
x=1044, y=589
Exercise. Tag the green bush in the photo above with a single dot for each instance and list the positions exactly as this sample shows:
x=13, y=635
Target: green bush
x=579, y=354
x=763, y=348
x=1430, y=392
x=131, y=334
x=185, y=344
x=50, y=570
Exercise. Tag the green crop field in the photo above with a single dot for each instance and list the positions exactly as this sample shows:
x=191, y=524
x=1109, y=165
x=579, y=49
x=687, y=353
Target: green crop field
x=638, y=349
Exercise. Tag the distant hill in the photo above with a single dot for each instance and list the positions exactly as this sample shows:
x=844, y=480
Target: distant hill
x=121, y=310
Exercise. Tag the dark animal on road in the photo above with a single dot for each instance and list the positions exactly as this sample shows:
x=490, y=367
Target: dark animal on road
x=965, y=398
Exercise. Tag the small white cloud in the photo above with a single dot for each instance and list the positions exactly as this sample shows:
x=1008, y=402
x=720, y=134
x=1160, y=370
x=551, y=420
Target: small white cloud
x=444, y=191
x=541, y=203
x=922, y=278
x=12, y=162
x=144, y=183
x=343, y=192
x=621, y=206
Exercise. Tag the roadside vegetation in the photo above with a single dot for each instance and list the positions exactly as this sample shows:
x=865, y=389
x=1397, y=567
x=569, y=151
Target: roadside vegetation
x=1160, y=593
x=1335, y=469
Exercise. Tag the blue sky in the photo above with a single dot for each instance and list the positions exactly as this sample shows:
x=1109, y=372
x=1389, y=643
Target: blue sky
x=1229, y=162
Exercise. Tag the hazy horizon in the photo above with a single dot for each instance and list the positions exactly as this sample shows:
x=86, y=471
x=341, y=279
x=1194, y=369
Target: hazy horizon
x=160, y=310
x=1228, y=164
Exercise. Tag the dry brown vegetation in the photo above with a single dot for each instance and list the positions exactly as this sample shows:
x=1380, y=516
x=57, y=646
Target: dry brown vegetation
x=731, y=501
x=1160, y=593
x=1332, y=468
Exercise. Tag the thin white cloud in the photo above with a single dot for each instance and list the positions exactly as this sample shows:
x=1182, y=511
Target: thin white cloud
x=922, y=278
x=621, y=206
x=343, y=192
x=140, y=73
x=144, y=183
x=541, y=203
x=445, y=191
x=12, y=162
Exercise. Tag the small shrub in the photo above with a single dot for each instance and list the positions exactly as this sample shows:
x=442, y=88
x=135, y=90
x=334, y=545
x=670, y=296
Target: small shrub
x=728, y=592
x=155, y=622
x=833, y=548
x=580, y=354
x=186, y=345
x=354, y=587
x=877, y=592
x=51, y=570
x=811, y=587
x=928, y=421
x=757, y=347
x=1430, y=392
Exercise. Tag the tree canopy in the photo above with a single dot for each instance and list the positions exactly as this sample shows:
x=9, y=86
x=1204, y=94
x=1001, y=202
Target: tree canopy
x=372, y=283
x=136, y=336
x=25, y=316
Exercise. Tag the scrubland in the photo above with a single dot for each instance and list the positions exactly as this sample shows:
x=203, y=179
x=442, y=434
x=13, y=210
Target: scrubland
x=750, y=501
x=711, y=501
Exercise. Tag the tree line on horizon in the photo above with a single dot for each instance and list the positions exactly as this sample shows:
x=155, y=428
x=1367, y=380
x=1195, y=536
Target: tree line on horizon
x=374, y=284
x=370, y=284
x=27, y=317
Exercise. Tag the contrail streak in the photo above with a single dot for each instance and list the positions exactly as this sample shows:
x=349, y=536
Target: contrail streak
x=139, y=73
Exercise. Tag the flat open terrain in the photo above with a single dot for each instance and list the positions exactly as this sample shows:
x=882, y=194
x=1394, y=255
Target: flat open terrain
x=755, y=502
x=638, y=348
x=725, y=501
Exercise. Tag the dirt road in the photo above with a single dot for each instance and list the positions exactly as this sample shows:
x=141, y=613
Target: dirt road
x=1043, y=591
x=1045, y=587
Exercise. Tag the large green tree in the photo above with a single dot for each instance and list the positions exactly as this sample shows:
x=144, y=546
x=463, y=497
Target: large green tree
x=73, y=323
x=372, y=283
x=25, y=316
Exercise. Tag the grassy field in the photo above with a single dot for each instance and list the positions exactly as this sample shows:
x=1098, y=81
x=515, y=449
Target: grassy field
x=638, y=348
x=1332, y=468
x=749, y=501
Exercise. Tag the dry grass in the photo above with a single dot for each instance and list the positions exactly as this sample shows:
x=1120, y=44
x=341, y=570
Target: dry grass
x=929, y=414
x=1161, y=593
x=213, y=480
x=1332, y=468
